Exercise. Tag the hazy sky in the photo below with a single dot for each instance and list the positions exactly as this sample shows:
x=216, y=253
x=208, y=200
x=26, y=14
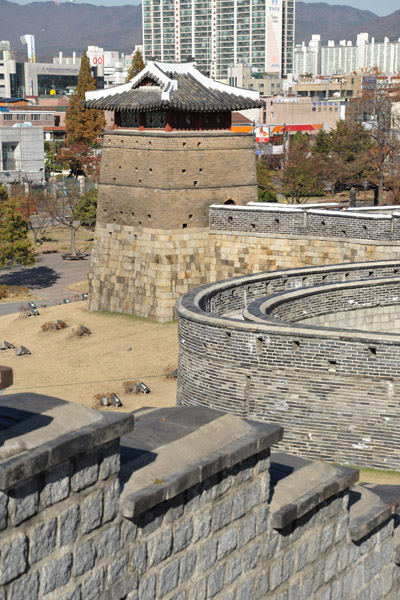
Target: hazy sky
x=383, y=8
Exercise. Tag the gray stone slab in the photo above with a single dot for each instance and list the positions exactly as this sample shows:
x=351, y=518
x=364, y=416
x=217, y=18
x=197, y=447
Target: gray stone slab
x=38, y=432
x=305, y=488
x=371, y=506
x=176, y=448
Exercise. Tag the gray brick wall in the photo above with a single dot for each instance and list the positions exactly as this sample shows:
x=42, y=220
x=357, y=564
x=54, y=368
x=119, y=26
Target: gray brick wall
x=300, y=222
x=334, y=392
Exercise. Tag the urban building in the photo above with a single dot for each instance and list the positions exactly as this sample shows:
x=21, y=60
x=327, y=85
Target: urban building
x=34, y=116
x=344, y=58
x=244, y=76
x=22, y=154
x=336, y=86
x=220, y=34
x=19, y=79
x=286, y=115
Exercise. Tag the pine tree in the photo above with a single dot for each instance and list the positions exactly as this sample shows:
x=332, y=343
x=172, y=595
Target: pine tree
x=15, y=248
x=83, y=125
x=136, y=66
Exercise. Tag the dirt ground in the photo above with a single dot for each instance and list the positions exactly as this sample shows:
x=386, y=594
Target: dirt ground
x=120, y=348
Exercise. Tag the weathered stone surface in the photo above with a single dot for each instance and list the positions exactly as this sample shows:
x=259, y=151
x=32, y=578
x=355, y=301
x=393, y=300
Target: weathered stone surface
x=26, y=587
x=57, y=484
x=92, y=511
x=13, y=558
x=3, y=510
x=43, y=540
x=109, y=541
x=69, y=525
x=24, y=501
x=85, y=557
x=56, y=573
x=93, y=585
x=159, y=547
x=169, y=576
x=86, y=471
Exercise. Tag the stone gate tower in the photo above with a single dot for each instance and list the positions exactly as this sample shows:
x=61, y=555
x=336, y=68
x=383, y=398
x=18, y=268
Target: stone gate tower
x=171, y=155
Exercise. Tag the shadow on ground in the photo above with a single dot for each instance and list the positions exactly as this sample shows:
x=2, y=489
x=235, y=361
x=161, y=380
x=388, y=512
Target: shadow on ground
x=34, y=278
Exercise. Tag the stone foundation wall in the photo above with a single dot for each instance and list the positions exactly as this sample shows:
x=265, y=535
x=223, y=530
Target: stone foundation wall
x=240, y=254
x=143, y=272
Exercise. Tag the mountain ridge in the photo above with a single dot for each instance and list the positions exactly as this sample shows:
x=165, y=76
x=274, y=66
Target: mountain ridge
x=72, y=27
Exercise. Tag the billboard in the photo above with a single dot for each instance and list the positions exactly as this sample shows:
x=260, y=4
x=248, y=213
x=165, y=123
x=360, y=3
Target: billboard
x=273, y=45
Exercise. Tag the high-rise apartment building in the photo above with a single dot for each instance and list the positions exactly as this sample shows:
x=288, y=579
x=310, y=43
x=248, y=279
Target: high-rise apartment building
x=221, y=33
x=344, y=58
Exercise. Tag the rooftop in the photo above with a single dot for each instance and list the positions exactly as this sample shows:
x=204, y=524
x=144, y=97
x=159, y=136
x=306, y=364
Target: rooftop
x=178, y=86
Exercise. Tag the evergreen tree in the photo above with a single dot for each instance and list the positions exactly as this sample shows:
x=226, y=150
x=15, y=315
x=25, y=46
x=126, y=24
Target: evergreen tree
x=15, y=248
x=83, y=125
x=136, y=66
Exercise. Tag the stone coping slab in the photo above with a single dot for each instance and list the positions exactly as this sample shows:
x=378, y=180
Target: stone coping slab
x=371, y=506
x=38, y=432
x=301, y=485
x=176, y=448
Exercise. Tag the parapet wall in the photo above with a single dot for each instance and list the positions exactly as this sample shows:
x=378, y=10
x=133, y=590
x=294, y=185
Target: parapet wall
x=205, y=512
x=284, y=220
x=333, y=390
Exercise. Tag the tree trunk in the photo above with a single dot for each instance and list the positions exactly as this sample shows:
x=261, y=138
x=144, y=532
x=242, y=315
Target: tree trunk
x=73, y=248
x=380, y=186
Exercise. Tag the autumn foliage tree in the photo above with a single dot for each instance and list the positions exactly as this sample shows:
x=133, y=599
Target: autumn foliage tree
x=83, y=125
x=80, y=160
x=136, y=66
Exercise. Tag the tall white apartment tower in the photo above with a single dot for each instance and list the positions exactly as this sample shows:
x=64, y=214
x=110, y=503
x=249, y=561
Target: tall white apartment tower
x=221, y=33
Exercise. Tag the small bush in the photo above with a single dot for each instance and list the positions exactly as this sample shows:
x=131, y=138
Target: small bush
x=129, y=386
x=54, y=325
x=12, y=291
x=170, y=371
x=81, y=331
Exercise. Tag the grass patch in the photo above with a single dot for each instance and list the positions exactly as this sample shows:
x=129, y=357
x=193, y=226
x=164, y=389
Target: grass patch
x=380, y=476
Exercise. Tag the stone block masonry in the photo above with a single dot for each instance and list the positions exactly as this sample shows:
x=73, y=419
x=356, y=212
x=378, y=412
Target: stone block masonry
x=205, y=511
x=173, y=213
x=152, y=240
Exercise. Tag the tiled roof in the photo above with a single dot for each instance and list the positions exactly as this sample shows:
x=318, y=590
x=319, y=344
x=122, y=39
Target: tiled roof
x=180, y=89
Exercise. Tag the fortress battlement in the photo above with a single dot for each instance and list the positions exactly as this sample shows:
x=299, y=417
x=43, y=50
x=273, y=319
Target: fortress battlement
x=180, y=502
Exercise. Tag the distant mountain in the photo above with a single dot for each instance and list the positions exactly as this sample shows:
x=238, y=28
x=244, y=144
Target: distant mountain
x=68, y=26
x=336, y=22
x=380, y=27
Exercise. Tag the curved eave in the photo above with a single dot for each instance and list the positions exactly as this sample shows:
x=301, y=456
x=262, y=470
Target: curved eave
x=165, y=104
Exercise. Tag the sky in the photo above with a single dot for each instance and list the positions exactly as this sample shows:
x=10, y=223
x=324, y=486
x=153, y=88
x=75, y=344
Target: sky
x=383, y=8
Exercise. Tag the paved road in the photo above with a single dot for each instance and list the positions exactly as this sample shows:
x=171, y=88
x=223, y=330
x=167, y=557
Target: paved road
x=47, y=279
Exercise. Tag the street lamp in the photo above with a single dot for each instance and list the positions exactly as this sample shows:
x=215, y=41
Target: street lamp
x=365, y=186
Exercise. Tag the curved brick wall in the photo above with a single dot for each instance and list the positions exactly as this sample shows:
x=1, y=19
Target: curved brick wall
x=333, y=391
x=311, y=303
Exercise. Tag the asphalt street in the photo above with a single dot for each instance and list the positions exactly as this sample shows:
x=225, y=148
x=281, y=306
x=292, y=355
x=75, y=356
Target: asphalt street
x=47, y=279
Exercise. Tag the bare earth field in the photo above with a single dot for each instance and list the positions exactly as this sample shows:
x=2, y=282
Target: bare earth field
x=75, y=369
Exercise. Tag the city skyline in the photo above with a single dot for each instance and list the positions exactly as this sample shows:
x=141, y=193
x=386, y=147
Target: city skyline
x=384, y=8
